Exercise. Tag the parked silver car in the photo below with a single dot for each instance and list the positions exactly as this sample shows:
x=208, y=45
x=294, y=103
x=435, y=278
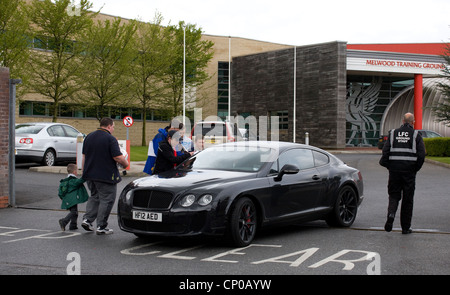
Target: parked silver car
x=45, y=143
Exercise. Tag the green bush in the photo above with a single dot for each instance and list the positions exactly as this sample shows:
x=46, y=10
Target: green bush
x=437, y=147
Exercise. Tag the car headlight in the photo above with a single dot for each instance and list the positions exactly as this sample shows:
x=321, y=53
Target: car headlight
x=205, y=200
x=187, y=200
x=128, y=196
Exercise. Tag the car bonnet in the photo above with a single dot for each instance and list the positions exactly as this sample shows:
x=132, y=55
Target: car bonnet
x=179, y=179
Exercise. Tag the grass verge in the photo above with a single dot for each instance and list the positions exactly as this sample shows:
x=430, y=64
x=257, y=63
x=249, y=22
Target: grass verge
x=138, y=153
x=445, y=160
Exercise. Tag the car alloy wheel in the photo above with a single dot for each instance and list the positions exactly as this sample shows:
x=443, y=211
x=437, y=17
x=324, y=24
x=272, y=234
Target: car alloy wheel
x=49, y=158
x=243, y=222
x=345, y=210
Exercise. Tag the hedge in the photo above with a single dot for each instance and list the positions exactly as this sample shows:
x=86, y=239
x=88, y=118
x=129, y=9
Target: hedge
x=438, y=146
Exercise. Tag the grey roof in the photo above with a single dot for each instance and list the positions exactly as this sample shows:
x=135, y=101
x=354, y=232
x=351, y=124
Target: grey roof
x=404, y=102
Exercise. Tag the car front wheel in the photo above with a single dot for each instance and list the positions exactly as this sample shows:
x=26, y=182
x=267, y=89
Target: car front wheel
x=49, y=158
x=243, y=222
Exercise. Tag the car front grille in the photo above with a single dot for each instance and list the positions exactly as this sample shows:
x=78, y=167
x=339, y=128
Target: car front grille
x=152, y=199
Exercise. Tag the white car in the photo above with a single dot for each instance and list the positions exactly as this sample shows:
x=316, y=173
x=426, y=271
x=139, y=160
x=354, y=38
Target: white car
x=46, y=143
x=216, y=132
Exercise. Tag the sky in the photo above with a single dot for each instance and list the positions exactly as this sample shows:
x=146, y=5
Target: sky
x=299, y=22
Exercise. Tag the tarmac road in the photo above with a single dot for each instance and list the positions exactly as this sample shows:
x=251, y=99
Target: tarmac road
x=31, y=242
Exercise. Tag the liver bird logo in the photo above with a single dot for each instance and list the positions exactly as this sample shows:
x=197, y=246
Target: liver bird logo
x=361, y=102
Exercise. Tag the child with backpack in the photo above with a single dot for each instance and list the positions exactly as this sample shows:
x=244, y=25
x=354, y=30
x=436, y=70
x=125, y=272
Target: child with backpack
x=72, y=192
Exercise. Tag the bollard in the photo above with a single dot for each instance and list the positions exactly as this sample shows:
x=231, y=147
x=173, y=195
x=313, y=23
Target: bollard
x=306, y=138
x=80, y=139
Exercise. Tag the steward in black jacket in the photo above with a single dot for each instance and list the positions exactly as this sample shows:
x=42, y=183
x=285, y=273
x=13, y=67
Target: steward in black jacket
x=403, y=155
x=404, y=150
x=167, y=157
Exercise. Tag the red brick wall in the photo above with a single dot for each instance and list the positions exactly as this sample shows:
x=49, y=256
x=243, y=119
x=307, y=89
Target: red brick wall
x=4, y=135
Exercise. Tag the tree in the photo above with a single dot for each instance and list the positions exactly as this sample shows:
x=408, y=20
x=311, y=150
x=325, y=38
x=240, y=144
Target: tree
x=52, y=69
x=151, y=62
x=107, y=57
x=442, y=110
x=14, y=34
x=198, y=54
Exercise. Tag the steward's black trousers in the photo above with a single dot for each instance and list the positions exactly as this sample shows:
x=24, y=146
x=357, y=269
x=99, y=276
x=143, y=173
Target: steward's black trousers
x=402, y=185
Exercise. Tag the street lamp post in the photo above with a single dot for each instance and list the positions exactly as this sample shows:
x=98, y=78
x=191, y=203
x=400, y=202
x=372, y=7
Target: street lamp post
x=229, y=78
x=184, y=75
x=295, y=94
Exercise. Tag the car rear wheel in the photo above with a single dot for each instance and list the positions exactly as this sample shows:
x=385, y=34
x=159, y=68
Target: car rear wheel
x=345, y=209
x=243, y=222
x=49, y=158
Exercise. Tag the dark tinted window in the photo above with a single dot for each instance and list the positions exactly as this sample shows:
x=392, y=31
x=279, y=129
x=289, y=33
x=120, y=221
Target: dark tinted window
x=320, y=159
x=302, y=158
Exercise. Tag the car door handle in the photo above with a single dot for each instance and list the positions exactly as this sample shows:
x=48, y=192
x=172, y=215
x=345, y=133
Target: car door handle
x=316, y=177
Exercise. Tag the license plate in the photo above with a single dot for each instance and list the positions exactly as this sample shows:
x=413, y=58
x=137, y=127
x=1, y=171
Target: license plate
x=147, y=216
x=212, y=140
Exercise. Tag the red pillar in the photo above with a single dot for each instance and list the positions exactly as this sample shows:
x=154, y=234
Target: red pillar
x=418, y=101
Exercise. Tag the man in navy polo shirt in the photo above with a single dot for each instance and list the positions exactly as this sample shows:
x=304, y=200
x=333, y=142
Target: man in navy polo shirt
x=101, y=154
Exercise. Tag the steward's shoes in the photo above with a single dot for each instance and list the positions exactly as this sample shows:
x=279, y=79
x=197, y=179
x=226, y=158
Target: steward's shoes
x=104, y=231
x=389, y=223
x=406, y=231
x=62, y=225
x=87, y=225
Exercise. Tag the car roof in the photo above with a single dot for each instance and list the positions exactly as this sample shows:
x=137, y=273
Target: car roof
x=41, y=123
x=283, y=145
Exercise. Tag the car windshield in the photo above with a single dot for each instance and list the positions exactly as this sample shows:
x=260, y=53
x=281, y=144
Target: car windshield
x=28, y=129
x=432, y=134
x=231, y=158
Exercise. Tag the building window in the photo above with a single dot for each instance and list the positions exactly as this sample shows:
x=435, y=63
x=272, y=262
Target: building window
x=33, y=108
x=49, y=44
x=367, y=99
x=71, y=111
x=283, y=119
x=40, y=109
x=222, y=89
x=40, y=42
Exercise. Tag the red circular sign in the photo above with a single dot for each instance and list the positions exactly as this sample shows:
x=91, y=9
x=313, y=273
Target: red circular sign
x=128, y=121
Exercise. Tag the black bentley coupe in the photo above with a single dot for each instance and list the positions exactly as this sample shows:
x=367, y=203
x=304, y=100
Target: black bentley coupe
x=235, y=189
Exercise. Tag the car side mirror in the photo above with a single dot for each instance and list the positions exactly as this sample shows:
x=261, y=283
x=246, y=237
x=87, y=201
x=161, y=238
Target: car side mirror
x=287, y=169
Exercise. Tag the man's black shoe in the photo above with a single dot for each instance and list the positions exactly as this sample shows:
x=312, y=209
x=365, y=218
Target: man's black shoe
x=389, y=223
x=62, y=224
x=406, y=231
